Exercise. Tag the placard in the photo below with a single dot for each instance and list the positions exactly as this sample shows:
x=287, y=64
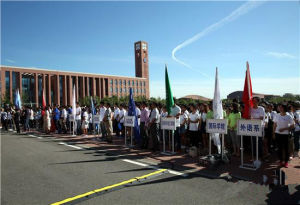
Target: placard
x=168, y=123
x=71, y=118
x=250, y=128
x=129, y=121
x=96, y=119
x=216, y=126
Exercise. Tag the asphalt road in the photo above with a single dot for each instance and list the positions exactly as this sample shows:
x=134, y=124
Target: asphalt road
x=40, y=171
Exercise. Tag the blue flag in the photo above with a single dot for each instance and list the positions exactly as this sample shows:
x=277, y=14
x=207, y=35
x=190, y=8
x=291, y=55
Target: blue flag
x=18, y=103
x=93, y=107
x=132, y=112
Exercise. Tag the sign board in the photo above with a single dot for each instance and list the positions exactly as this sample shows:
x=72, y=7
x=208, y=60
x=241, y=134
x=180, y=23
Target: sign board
x=96, y=119
x=168, y=123
x=216, y=126
x=71, y=118
x=129, y=121
x=250, y=128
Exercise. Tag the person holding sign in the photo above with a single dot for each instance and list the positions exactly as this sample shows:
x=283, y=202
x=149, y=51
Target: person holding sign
x=283, y=124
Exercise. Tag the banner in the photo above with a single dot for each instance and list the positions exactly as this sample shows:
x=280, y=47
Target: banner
x=250, y=128
x=129, y=121
x=216, y=126
x=168, y=123
x=96, y=119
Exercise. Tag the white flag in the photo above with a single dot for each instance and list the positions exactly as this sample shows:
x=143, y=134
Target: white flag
x=217, y=102
x=218, y=110
x=74, y=102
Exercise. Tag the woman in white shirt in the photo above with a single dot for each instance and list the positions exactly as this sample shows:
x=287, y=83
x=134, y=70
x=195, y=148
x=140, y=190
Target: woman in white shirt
x=283, y=124
x=47, y=121
x=193, y=121
x=85, y=122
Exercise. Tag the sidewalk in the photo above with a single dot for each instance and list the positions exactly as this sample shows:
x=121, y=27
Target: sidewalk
x=185, y=163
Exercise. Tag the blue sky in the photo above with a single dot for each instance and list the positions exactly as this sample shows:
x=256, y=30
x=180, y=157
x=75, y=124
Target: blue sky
x=98, y=37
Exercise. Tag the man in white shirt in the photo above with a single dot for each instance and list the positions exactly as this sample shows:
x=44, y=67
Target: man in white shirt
x=101, y=113
x=258, y=113
x=154, y=126
x=115, y=119
x=175, y=112
x=122, y=115
x=78, y=119
x=138, y=112
x=63, y=119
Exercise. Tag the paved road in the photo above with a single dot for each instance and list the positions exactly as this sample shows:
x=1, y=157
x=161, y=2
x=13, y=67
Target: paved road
x=40, y=171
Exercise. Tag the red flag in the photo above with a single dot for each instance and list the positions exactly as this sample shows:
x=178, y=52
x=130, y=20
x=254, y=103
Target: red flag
x=247, y=95
x=43, y=103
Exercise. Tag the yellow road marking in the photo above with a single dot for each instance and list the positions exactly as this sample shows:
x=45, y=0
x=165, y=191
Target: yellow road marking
x=108, y=187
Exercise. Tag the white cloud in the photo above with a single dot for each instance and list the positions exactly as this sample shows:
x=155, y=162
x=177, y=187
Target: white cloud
x=205, y=88
x=10, y=61
x=280, y=55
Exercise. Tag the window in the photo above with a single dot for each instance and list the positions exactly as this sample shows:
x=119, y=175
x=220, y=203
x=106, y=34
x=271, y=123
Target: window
x=137, y=46
x=129, y=82
x=120, y=90
x=116, y=82
x=137, y=83
x=120, y=81
x=111, y=90
x=124, y=82
x=140, y=83
x=141, y=90
x=133, y=82
x=116, y=90
x=137, y=90
x=111, y=82
x=144, y=83
x=133, y=90
x=144, y=90
x=144, y=46
x=125, y=90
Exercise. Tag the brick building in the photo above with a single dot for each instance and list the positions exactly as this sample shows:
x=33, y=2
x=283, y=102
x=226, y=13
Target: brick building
x=58, y=84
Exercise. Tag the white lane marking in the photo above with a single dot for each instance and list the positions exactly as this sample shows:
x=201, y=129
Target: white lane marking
x=153, y=167
x=32, y=136
x=39, y=137
x=73, y=146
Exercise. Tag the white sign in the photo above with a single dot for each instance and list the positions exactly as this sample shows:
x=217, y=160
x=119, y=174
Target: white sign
x=71, y=118
x=216, y=126
x=129, y=121
x=250, y=127
x=96, y=119
x=168, y=123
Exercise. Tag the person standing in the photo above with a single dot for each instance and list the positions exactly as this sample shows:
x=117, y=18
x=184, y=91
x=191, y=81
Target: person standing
x=108, y=123
x=283, y=124
x=175, y=112
x=17, y=118
x=144, y=119
x=154, y=126
x=233, y=118
x=115, y=119
x=258, y=113
x=122, y=119
x=63, y=119
x=102, y=124
x=47, y=121
x=78, y=119
x=193, y=122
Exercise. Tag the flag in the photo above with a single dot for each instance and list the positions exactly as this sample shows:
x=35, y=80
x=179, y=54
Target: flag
x=247, y=95
x=18, y=103
x=217, y=102
x=74, y=102
x=218, y=110
x=169, y=95
x=43, y=103
x=92, y=106
x=132, y=112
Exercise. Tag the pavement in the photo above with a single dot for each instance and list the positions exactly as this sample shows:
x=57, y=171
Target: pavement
x=43, y=169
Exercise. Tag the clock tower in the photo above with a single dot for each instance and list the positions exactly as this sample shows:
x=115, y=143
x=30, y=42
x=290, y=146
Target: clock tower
x=141, y=59
x=142, y=62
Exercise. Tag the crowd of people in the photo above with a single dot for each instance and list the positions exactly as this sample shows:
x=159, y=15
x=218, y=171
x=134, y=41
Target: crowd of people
x=280, y=124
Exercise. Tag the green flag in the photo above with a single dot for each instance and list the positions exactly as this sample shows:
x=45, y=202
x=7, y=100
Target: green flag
x=169, y=96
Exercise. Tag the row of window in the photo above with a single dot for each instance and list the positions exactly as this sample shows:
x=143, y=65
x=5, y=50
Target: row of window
x=129, y=82
x=125, y=90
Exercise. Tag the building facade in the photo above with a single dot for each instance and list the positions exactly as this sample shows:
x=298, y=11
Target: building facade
x=57, y=85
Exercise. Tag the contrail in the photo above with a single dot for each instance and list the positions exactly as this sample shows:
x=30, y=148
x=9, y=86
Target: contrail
x=244, y=9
